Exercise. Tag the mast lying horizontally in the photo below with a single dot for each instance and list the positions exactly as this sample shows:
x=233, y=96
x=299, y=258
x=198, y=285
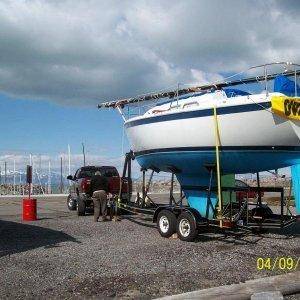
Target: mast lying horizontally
x=208, y=87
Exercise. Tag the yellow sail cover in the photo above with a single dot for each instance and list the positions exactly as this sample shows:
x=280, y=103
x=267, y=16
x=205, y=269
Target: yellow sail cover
x=287, y=107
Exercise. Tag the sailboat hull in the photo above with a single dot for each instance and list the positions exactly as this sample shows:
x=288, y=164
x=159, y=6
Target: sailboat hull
x=252, y=139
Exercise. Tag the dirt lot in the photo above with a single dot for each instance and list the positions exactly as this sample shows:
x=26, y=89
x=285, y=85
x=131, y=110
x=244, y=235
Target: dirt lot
x=65, y=256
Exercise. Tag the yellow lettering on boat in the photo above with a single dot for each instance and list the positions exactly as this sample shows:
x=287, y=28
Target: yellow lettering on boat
x=287, y=107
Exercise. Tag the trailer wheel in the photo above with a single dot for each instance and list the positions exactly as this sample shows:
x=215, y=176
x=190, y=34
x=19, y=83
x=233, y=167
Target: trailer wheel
x=80, y=207
x=186, y=227
x=166, y=223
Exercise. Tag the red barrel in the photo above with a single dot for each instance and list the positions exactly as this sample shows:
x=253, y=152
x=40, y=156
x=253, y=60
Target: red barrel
x=29, y=210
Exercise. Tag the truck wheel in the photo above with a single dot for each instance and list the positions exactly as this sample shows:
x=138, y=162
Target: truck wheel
x=166, y=223
x=186, y=227
x=80, y=207
x=71, y=203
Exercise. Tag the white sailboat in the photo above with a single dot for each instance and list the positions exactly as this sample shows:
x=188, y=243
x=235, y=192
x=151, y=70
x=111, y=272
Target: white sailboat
x=179, y=135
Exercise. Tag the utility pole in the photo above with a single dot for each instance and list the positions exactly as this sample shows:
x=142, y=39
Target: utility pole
x=49, y=177
x=69, y=159
x=33, y=169
x=14, y=176
x=83, y=152
x=69, y=163
x=40, y=164
x=5, y=172
x=61, y=175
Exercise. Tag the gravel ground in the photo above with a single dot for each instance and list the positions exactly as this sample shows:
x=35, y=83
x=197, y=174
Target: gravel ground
x=65, y=256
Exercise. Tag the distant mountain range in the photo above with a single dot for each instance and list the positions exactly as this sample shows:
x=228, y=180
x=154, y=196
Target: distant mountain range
x=20, y=177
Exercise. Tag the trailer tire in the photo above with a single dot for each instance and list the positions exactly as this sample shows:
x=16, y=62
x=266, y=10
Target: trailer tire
x=81, y=207
x=186, y=227
x=166, y=223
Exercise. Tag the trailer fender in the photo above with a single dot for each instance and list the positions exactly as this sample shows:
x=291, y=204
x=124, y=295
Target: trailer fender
x=159, y=209
x=177, y=211
x=194, y=213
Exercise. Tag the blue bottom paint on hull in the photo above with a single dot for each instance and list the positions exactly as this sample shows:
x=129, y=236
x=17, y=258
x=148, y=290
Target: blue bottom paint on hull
x=194, y=173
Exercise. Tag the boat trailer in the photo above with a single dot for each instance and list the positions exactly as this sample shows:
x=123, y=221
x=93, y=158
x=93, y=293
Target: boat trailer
x=173, y=216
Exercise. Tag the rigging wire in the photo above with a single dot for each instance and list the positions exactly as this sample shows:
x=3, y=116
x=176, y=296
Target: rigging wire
x=217, y=85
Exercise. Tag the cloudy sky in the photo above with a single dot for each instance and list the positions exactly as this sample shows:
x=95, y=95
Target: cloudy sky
x=61, y=58
x=83, y=52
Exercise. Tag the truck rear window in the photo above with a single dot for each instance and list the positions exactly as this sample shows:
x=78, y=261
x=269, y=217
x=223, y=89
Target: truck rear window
x=87, y=173
x=107, y=172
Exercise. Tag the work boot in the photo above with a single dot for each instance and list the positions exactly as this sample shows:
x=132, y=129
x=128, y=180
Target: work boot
x=104, y=219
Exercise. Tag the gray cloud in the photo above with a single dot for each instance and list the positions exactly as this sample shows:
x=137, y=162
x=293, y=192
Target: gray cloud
x=84, y=52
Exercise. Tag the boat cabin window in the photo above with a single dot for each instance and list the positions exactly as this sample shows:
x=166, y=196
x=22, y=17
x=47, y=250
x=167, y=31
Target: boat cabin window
x=191, y=104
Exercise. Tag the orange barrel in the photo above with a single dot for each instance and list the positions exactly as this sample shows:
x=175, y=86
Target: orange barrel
x=29, y=210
